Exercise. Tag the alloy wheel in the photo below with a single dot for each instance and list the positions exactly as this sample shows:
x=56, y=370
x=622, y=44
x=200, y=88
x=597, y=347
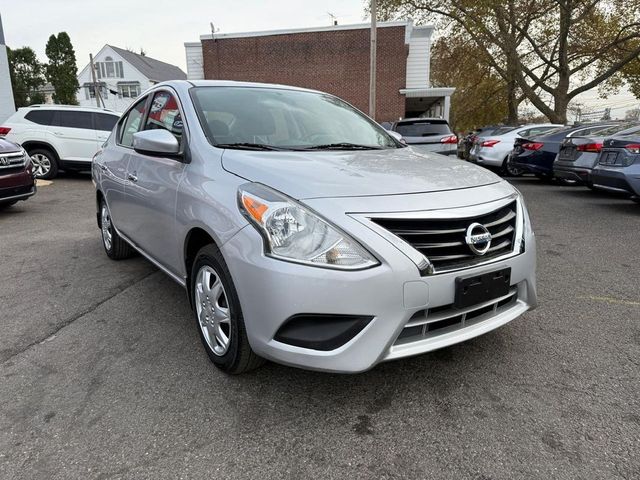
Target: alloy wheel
x=105, y=222
x=41, y=164
x=213, y=310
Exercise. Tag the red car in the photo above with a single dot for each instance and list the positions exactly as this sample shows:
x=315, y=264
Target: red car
x=16, y=174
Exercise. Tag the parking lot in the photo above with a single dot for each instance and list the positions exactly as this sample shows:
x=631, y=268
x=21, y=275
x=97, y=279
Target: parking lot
x=104, y=376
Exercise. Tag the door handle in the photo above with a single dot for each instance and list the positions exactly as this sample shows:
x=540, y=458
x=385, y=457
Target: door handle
x=132, y=176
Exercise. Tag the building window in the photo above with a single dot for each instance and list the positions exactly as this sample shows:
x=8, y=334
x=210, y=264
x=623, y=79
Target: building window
x=129, y=91
x=109, y=68
x=90, y=91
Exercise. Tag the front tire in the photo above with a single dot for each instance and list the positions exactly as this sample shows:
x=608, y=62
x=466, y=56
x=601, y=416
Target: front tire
x=115, y=247
x=44, y=162
x=218, y=314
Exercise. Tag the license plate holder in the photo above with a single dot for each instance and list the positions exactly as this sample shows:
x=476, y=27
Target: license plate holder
x=482, y=288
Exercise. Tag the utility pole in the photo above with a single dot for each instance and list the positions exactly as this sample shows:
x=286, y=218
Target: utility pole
x=96, y=87
x=372, y=66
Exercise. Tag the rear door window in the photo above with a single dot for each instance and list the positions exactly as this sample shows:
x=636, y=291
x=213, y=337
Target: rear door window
x=422, y=128
x=71, y=119
x=105, y=122
x=41, y=117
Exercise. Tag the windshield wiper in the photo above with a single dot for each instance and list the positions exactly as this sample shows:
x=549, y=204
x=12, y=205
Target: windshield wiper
x=343, y=146
x=247, y=146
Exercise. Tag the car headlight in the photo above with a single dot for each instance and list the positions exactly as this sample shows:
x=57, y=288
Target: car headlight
x=294, y=233
x=26, y=158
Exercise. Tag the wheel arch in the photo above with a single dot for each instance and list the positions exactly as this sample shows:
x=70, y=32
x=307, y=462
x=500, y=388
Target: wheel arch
x=196, y=238
x=34, y=144
x=99, y=198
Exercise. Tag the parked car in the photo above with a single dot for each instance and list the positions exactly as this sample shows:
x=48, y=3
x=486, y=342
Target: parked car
x=618, y=167
x=536, y=154
x=304, y=233
x=427, y=135
x=492, y=150
x=469, y=140
x=16, y=174
x=59, y=136
x=578, y=155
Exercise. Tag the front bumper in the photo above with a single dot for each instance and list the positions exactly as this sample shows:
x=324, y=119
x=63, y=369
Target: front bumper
x=16, y=186
x=618, y=179
x=392, y=294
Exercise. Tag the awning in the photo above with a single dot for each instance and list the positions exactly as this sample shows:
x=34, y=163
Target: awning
x=427, y=92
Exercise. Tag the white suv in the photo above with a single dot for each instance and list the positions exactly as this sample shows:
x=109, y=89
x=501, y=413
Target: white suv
x=59, y=136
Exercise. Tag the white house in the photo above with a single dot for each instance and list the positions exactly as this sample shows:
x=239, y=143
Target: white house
x=122, y=76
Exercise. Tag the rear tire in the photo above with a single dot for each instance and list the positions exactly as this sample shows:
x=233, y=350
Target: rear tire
x=45, y=164
x=509, y=169
x=115, y=247
x=218, y=314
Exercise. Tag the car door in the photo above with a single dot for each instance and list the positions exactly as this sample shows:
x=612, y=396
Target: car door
x=75, y=135
x=104, y=123
x=112, y=165
x=152, y=187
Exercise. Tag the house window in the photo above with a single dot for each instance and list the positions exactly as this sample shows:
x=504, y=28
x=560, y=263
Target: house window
x=109, y=68
x=129, y=90
x=90, y=91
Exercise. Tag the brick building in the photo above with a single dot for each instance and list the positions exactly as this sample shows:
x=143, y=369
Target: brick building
x=332, y=59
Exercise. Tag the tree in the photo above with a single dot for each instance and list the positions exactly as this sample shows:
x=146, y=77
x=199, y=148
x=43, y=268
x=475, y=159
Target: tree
x=480, y=97
x=554, y=49
x=27, y=75
x=62, y=71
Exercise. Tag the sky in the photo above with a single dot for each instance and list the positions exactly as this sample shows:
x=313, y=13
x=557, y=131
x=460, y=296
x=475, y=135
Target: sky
x=161, y=27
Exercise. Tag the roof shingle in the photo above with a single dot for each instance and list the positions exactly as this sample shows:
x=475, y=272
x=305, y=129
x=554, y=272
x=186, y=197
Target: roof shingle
x=150, y=67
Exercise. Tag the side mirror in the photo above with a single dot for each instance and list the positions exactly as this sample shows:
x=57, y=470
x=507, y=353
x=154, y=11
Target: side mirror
x=156, y=142
x=397, y=136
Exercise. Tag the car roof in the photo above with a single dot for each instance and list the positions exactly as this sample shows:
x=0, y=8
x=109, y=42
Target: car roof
x=54, y=106
x=232, y=83
x=564, y=132
x=423, y=119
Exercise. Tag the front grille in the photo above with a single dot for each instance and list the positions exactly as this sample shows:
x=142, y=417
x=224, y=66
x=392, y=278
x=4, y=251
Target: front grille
x=444, y=319
x=11, y=161
x=443, y=242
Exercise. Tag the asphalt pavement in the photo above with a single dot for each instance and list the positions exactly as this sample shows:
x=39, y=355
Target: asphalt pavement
x=102, y=374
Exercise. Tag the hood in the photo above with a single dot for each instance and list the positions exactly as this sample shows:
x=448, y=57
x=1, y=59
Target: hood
x=8, y=147
x=355, y=173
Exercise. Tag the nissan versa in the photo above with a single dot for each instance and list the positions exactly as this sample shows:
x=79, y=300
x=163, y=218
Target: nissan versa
x=304, y=233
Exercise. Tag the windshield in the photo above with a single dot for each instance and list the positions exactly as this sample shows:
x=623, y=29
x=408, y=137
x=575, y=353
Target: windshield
x=422, y=128
x=282, y=119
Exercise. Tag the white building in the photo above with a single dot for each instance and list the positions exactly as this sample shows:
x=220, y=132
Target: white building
x=122, y=76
